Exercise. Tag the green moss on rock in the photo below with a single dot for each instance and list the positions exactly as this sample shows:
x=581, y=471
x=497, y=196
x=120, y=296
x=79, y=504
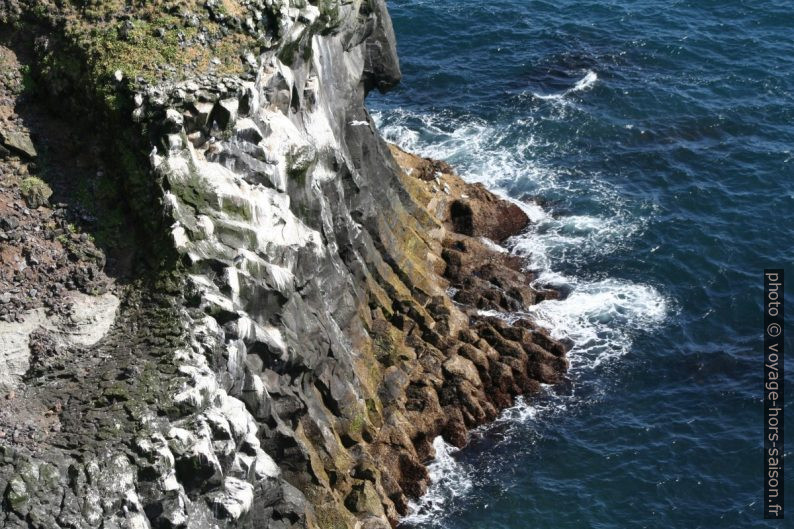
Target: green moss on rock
x=17, y=495
x=35, y=191
x=329, y=516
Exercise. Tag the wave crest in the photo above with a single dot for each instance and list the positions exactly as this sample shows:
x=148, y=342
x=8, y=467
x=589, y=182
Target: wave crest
x=584, y=83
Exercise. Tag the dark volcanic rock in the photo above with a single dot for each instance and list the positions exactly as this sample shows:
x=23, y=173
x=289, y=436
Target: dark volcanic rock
x=315, y=319
x=483, y=215
x=382, y=68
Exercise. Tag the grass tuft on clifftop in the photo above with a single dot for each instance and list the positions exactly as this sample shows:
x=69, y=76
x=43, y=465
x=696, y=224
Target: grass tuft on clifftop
x=152, y=41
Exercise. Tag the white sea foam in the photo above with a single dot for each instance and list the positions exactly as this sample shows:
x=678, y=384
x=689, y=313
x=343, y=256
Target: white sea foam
x=572, y=239
x=450, y=480
x=584, y=83
x=521, y=412
x=600, y=316
x=532, y=210
x=458, y=141
x=492, y=245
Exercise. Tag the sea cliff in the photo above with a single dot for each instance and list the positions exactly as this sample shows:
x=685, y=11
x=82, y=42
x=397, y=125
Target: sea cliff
x=263, y=314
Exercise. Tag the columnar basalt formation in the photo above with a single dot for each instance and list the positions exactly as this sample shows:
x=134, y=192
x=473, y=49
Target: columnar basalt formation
x=327, y=304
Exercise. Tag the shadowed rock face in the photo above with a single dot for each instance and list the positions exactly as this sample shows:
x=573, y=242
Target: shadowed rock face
x=328, y=310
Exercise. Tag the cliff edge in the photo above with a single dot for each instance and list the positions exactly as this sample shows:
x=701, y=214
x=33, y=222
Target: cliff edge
x=226, y=301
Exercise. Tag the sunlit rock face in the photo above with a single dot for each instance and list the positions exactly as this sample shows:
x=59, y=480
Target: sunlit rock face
x=331, y=311
x=274, y=185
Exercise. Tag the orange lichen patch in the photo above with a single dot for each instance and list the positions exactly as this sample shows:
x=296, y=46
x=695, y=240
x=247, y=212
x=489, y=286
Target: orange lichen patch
x=233, y=7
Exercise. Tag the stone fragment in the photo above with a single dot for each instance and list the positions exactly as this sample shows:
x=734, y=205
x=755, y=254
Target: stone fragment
x=173, y=120
x=18, y=142
x=9, y=223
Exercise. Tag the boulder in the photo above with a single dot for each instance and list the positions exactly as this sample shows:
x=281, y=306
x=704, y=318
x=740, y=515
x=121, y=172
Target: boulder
x=18, y=142
x=485, y=215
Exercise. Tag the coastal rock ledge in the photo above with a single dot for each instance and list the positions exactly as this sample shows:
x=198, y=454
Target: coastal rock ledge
x=276, y=311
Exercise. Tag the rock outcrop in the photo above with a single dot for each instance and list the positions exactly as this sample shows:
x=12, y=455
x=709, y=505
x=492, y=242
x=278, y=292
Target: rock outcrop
x=325, y=304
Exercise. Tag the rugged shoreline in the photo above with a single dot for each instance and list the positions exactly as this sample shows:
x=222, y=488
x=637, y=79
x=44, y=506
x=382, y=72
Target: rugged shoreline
x=319, y=312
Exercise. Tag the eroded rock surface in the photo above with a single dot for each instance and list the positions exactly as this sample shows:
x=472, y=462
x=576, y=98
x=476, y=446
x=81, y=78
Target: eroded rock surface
x=327, y=306
x=87, y=320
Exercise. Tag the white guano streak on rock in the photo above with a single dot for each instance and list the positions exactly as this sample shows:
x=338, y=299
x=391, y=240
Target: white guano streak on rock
x=88, y=321
x=222, y=216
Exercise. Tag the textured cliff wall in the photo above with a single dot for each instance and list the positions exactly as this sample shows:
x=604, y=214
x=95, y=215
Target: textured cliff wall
x=320, y=312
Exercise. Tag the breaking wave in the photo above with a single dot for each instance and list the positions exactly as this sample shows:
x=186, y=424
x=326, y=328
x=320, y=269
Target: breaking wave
x=450, y=481
x=584, y=83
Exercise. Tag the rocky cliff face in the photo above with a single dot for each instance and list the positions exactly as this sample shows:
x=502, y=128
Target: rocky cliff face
x=327, y=304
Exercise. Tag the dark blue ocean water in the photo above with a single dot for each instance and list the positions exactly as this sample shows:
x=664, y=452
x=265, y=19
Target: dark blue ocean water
x=651, y=142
